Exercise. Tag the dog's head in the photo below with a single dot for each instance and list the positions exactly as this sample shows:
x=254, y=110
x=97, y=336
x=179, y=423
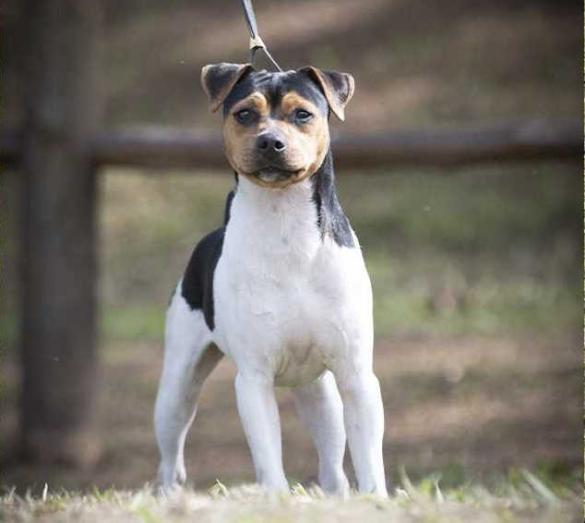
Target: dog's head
x=276, y=129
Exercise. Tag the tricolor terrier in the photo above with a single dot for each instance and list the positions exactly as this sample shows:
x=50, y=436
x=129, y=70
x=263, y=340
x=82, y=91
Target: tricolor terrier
x=281, y=288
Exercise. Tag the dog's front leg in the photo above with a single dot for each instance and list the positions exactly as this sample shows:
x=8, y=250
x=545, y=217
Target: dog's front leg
x=259, y=413
x=364, y=424
x=321, y=411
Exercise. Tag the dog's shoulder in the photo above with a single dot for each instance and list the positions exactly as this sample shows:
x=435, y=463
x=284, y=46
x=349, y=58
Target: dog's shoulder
x=197, y=283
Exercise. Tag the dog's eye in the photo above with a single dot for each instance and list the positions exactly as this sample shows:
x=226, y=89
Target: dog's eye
x=303, y=116
x=244, y=116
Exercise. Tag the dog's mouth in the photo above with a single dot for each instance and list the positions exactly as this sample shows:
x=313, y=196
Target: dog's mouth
x=274, y=174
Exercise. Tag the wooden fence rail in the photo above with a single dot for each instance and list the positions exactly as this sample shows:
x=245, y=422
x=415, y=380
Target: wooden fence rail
x=504, y=142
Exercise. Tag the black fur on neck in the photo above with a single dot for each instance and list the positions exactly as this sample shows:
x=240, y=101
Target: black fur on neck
x=331, y=219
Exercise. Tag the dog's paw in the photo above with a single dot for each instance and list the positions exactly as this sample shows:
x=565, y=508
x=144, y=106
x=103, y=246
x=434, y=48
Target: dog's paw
x=171, y=479
x=336, y=485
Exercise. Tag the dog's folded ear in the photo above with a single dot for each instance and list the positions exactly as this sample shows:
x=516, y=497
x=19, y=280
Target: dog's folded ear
x=218, y=80
x=337, y=87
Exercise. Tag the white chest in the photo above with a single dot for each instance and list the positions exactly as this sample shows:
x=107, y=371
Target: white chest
x=287, y=301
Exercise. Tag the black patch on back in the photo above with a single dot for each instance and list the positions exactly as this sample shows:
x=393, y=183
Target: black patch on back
x=331, y=219
x=197, y=285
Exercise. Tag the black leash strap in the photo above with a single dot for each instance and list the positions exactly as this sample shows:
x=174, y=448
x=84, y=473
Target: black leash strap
x=255, y=40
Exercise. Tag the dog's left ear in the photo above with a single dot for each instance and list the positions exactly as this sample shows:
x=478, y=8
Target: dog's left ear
x=218, y=80
x=337, y=87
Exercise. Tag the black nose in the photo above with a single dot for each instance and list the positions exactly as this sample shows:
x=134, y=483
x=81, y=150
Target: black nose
x=270, y=143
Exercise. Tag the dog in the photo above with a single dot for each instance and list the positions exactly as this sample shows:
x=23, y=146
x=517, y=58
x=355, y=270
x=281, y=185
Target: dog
x=281, y=288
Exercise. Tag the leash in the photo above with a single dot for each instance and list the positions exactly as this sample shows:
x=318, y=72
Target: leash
x=256, y=42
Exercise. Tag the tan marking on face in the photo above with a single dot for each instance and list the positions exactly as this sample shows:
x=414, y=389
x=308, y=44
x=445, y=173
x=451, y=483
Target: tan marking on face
x=240, y=140
x=306, y=144
x=292, y=101
x=311, y=137
x=255, y=101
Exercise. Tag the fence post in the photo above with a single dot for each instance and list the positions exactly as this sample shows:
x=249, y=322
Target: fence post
x=59, y=268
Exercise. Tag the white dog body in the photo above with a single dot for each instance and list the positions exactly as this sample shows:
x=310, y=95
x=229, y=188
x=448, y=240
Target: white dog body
x=292, y=309
x=282, y=290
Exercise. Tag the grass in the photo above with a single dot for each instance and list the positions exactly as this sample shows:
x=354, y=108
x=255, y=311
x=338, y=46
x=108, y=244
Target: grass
x=528, y=498
x=485, y=251
x=496, y=308
x=488, y=251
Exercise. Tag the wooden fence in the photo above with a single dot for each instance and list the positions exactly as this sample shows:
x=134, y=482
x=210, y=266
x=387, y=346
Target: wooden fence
x=510, y=142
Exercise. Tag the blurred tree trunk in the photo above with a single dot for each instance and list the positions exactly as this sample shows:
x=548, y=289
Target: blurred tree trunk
x=59, y=230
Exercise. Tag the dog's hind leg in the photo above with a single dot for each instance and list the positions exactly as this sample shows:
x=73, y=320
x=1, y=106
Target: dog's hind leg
x=321, y=412
x=190, y=356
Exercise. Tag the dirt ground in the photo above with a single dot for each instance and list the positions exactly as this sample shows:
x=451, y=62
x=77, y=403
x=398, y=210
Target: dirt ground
x=467, y=408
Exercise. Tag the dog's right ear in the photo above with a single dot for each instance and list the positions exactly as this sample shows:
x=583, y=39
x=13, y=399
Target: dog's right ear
x=218, y=80
x=337, y=87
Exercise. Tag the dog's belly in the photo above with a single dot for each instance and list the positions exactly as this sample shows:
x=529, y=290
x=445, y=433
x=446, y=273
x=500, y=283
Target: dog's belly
x=299, y=365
